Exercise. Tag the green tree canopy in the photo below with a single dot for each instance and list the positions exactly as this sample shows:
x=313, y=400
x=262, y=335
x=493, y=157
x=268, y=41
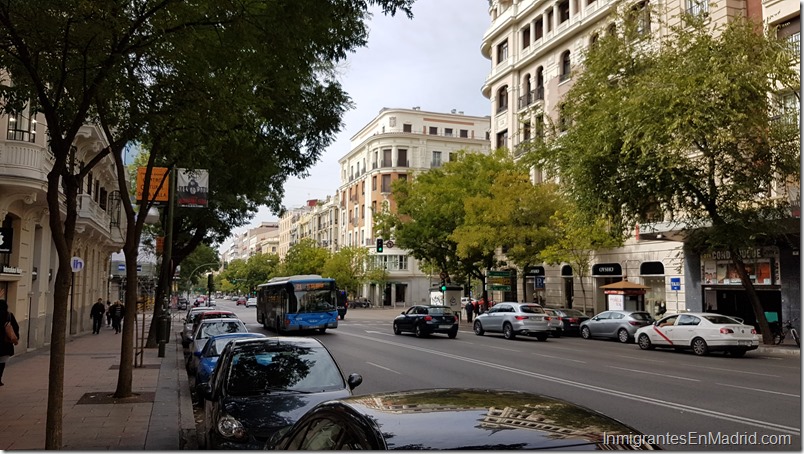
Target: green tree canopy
x=348, y=267
x=686, y=129
x=304, y=257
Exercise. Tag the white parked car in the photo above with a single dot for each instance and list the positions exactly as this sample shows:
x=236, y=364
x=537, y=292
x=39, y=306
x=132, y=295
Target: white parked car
x=701, y=332
x=251, y=302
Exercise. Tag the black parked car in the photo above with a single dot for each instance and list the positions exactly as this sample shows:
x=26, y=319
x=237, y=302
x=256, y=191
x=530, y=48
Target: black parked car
x=455, y=419
x=260, y=386
x=426, y=320
x=572, y=319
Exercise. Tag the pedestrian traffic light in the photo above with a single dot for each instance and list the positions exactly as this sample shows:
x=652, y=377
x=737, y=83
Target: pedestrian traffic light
x=443, y=287
x=379, y=245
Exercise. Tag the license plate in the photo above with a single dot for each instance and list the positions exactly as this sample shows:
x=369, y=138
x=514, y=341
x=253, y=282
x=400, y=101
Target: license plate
x=744, y=343
x=445, y=326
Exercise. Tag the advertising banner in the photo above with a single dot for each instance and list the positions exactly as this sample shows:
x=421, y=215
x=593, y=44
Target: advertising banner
x=192, y=188
x=159, y=187
x=6, y=235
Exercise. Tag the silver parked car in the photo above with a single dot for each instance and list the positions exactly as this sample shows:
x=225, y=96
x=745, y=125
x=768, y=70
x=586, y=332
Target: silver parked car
x=555, y=323
x=620, y=325
x=513, y=319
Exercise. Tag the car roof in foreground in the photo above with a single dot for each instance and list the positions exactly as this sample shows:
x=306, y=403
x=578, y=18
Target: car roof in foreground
x=472, y=419
x=287, y=340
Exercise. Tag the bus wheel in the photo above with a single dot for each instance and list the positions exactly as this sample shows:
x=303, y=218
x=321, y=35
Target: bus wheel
x=322, y=330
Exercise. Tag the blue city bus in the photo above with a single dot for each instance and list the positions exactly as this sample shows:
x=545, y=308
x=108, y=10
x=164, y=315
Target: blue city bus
x=297, y=303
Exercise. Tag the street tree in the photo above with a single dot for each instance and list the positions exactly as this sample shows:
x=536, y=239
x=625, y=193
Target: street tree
x=69, y=60
x=203, y=260
x=684, y=127
x=431, y=207
x=304, y=257
x=348, y=267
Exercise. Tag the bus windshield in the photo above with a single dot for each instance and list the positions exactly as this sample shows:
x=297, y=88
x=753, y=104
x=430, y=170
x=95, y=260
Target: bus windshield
x=315, y=301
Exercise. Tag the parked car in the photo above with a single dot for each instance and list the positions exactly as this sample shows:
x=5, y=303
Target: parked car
x=700, y=332
x=182, y=304
x=423, y=320
x=616, y=324
x=453, y=419
x=251, y=302
x=202, y=313
x=189, y=323
x=208, y=328
x=556, y=327
x=205, y=360
x=512, y=319
x=571, y=320
x=242, y=300
x=261, y=386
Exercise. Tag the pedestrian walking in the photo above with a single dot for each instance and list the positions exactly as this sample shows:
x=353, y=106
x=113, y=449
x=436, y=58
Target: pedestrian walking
x=96, y=314
x=470, y=310
x=117, y=311
x=108, y=313
x=9, y=338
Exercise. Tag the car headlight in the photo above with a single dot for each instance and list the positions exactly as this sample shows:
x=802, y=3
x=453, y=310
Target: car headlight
x=230, y=427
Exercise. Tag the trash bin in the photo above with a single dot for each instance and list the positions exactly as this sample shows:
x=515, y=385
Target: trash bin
x=163, y=328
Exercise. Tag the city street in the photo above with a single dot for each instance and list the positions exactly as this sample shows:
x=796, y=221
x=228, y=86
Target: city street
x=657, y=392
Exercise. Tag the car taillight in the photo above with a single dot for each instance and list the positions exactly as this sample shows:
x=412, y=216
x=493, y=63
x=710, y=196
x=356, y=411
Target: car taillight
x=427, y=318
x=634, y=323
x=572, y=320
x=560, y=319
x=521, y=317
x=726, y=331
x=548, y=318
x=753, y=331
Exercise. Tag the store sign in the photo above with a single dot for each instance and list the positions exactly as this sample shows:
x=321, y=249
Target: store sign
x=11, y=270
x=761, y=265
x=6, y=237
x=607, y=269
x=534, y=271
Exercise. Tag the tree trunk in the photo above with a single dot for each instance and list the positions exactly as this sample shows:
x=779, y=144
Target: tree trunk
x=126, y=371
x=753, y=298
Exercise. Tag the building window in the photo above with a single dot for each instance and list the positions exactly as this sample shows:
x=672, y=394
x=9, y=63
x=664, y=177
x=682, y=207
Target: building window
x=374, y=183
x=386, y=157
x=563, y=11
x=433, y=131
x=363, y=188
x=502, y=99
x=562, y=119
x=453, y=157
x=550, y=21
x=791, y=32
x=374, y=206
x=697, y=7
x=526, y=37
x=538, y=28
x=502, y=52
x=21, y=127
x=401, y=157
x=448, y=132
x=407, y=127
x=502, y=139
x=464, y=133
x=565, y=66
x=386, y=183
x=540, y=83
x=640, y=14
x=362, y=211
x=402, y=177
x=436, y=159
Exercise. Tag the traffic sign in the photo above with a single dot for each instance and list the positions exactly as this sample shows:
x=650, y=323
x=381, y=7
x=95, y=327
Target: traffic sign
x=121, y=267
x=675, y=283
x=77, y=264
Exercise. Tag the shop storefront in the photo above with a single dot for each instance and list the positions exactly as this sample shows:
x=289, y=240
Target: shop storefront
x=603, y=274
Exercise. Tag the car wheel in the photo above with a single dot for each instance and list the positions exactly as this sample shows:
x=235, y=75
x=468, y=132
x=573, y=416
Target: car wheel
x=699, y=346
x=453, y=334
x=418, y=331
x=508, y=331
x=623, y=336
x=478, y=328
x=644, y=342
x=738, y=353
x=585, y=333
x=542, y=337
x=556, y=333
x=397, y=331
x=322, y=330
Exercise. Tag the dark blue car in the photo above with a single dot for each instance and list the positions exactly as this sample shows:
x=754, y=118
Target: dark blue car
x=207, y=358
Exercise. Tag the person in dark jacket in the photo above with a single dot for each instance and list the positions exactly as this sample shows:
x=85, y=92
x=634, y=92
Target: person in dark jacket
x=108, y=313
x=470, y=310
x=6, y=346
x=117, y=310
x=96, y=314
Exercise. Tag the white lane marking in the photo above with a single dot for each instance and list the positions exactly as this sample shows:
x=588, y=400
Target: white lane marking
x=759, y=390
x=384, y=368
x=654, y=373
x=379, y=332
x=559, y=357
x=502, y=348
x=643, y=400
x=643, y=359
x=738, y=371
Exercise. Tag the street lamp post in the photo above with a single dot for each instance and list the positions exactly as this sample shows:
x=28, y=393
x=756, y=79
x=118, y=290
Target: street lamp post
x=190, y=276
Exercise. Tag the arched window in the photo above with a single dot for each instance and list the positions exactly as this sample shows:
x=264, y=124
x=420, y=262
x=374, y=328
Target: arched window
x=565, y=66
x=502, y=99
x=540, y=83
x=527, y=97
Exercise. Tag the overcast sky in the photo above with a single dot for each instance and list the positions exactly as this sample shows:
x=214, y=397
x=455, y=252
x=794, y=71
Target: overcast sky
x=432, y=61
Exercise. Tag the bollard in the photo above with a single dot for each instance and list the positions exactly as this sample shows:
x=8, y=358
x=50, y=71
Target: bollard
x=162, y=333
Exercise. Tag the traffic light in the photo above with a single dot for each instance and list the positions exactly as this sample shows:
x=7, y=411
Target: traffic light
x=379, y=245
x=443, y=286
x=210, y=283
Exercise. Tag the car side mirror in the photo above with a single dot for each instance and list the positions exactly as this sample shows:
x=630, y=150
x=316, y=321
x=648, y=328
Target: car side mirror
x=198, y=354
x=594, y=319
x=403, y=312
x=354, y=380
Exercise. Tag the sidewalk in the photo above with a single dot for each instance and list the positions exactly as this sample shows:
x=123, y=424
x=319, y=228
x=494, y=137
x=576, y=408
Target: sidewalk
x=159, y=418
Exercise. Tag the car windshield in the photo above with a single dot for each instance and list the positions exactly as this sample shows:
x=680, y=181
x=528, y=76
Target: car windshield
x=572, y=313
x=223, y=327
x=721, y=320
x=216, y=347
x=641, y=316
x=282, y=367
x=531, y=309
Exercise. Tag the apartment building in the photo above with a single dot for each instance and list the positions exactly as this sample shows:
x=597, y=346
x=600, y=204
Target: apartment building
x=28, y=258
x=396, y=145
x=534, y=46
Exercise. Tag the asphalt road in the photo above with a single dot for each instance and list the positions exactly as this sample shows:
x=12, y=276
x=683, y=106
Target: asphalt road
x=754, y=402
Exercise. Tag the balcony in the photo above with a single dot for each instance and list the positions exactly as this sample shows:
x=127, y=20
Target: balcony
x=89, y=212
x=531, y=97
